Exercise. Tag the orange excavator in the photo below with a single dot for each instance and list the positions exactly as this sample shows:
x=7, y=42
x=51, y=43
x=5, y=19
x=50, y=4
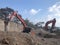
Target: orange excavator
x=53, y=24
x=26, y=29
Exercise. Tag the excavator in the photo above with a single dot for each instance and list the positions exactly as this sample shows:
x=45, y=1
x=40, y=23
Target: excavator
x=46, y=31
x=53, y=24
x=8, y=18
x=25, y=27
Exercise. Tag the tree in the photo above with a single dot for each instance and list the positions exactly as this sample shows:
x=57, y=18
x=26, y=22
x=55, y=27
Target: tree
x=39, y=24
x=29, y=24
x=4, y=12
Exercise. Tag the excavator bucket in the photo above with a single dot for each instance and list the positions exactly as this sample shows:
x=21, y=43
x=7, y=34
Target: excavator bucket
x=27, y=30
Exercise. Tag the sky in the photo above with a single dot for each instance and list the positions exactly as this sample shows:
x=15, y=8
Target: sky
x=35, y=10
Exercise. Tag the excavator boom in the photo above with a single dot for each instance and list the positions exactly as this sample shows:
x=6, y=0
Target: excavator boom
x=25, y=27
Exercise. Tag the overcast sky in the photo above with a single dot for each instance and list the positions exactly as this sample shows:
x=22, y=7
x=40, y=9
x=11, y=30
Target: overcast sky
x=35, y=10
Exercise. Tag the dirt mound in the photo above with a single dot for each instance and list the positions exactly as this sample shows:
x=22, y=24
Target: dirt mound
x=15, y=38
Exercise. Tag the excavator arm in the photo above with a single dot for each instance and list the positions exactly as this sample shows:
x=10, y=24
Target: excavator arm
x=26, y=29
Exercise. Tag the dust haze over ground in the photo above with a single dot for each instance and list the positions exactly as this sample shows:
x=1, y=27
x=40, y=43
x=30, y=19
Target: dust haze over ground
x=19, y=38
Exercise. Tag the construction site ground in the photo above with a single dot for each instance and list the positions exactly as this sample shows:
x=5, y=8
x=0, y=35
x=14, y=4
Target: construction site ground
x=14, y=36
